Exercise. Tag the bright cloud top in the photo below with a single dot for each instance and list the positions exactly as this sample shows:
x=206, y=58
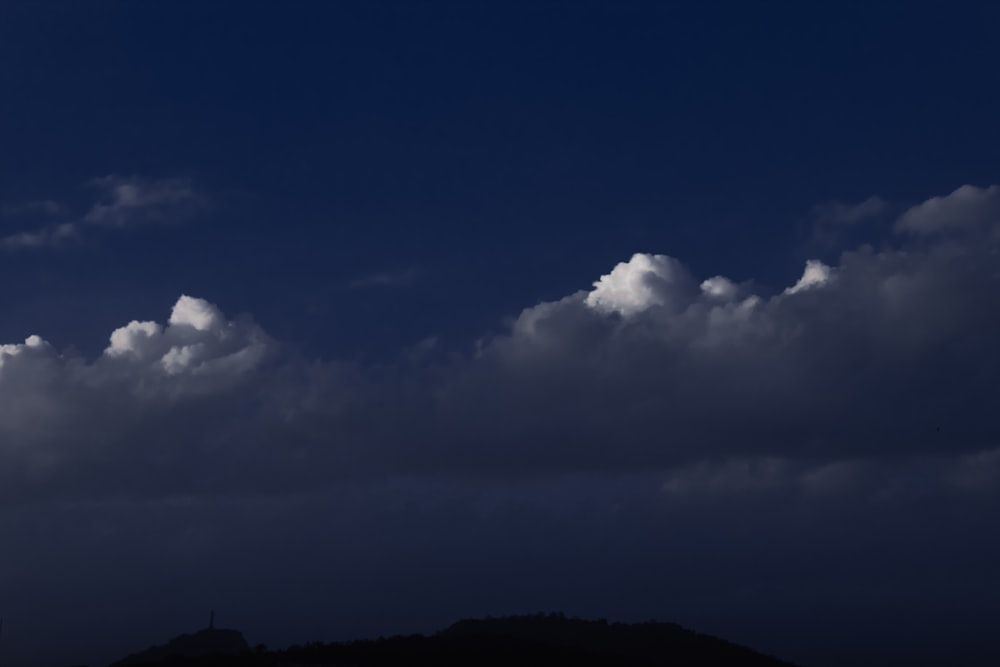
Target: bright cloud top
x=197, y=340
x=816, y=274
x=634, y=286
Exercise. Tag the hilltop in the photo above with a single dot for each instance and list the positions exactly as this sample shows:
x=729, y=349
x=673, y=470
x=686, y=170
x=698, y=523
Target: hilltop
x=540, y=639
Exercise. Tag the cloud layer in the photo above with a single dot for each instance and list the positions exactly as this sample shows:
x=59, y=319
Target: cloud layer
x=687, y=445
x=889, y=353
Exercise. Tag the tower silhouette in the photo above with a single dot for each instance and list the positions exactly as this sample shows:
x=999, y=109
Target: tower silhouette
x=211, y=620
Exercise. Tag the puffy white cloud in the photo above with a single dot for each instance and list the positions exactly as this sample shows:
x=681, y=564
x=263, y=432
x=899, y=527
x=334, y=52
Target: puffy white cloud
x=31, y=344
x=131, y=339
x=719, y=287
x=816, y=274
x=196, y=313
x=643, y=282
x=197, y=339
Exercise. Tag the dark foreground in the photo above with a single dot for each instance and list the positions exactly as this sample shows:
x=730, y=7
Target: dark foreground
x=518, y=640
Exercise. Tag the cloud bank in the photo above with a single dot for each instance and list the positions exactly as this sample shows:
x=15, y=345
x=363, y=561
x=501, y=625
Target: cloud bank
x=664, y=441
x=887, y=355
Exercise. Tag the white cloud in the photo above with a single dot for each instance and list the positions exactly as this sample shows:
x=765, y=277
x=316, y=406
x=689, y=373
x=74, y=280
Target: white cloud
x=31, y=344
x=197, y=340
x=196, y=313
x=131, y=339
x=641, y=283
x=816, y=274
x=720, y=288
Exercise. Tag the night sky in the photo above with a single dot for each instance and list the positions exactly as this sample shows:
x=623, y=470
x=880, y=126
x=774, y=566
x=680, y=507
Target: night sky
x=353, y=318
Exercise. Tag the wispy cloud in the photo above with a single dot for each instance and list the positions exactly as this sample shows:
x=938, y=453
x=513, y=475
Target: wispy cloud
x=40, y=207
x=403, y=278
x=122, y=202
x=132, y=201
x=46, y=236
x=829, y=222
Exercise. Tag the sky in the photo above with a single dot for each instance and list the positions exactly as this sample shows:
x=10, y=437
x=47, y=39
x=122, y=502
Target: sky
x=353, y=318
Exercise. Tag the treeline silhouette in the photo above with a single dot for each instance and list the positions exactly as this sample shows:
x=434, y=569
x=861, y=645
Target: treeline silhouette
x=540, y=639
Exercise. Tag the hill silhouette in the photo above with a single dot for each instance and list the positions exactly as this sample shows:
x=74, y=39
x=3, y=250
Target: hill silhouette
x=212, y=642
x=539, y=639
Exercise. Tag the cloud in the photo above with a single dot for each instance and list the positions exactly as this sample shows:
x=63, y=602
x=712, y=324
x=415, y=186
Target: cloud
x=816, y=274
x=40, y=207
x=839, y=213
x=132, y=201
x=46, y=236
x=968, y=208
x=157, y=393
x=718, y=442
x=124, y=202
x=644, y=282
x=831, y=222
x=653, y=368
x=401, y=278
x=860, y=358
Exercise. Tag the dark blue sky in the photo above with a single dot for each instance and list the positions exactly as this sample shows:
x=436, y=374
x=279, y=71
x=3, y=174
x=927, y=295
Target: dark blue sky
x=503, y=152
x=414, y=201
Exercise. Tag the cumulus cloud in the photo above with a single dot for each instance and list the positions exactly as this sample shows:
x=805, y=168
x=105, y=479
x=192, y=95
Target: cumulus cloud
x=816, y=274
x=860, y=358
x=156, y=393
x=719, y=287
x=197, y=340
x=653, y=368
x=645, y=281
